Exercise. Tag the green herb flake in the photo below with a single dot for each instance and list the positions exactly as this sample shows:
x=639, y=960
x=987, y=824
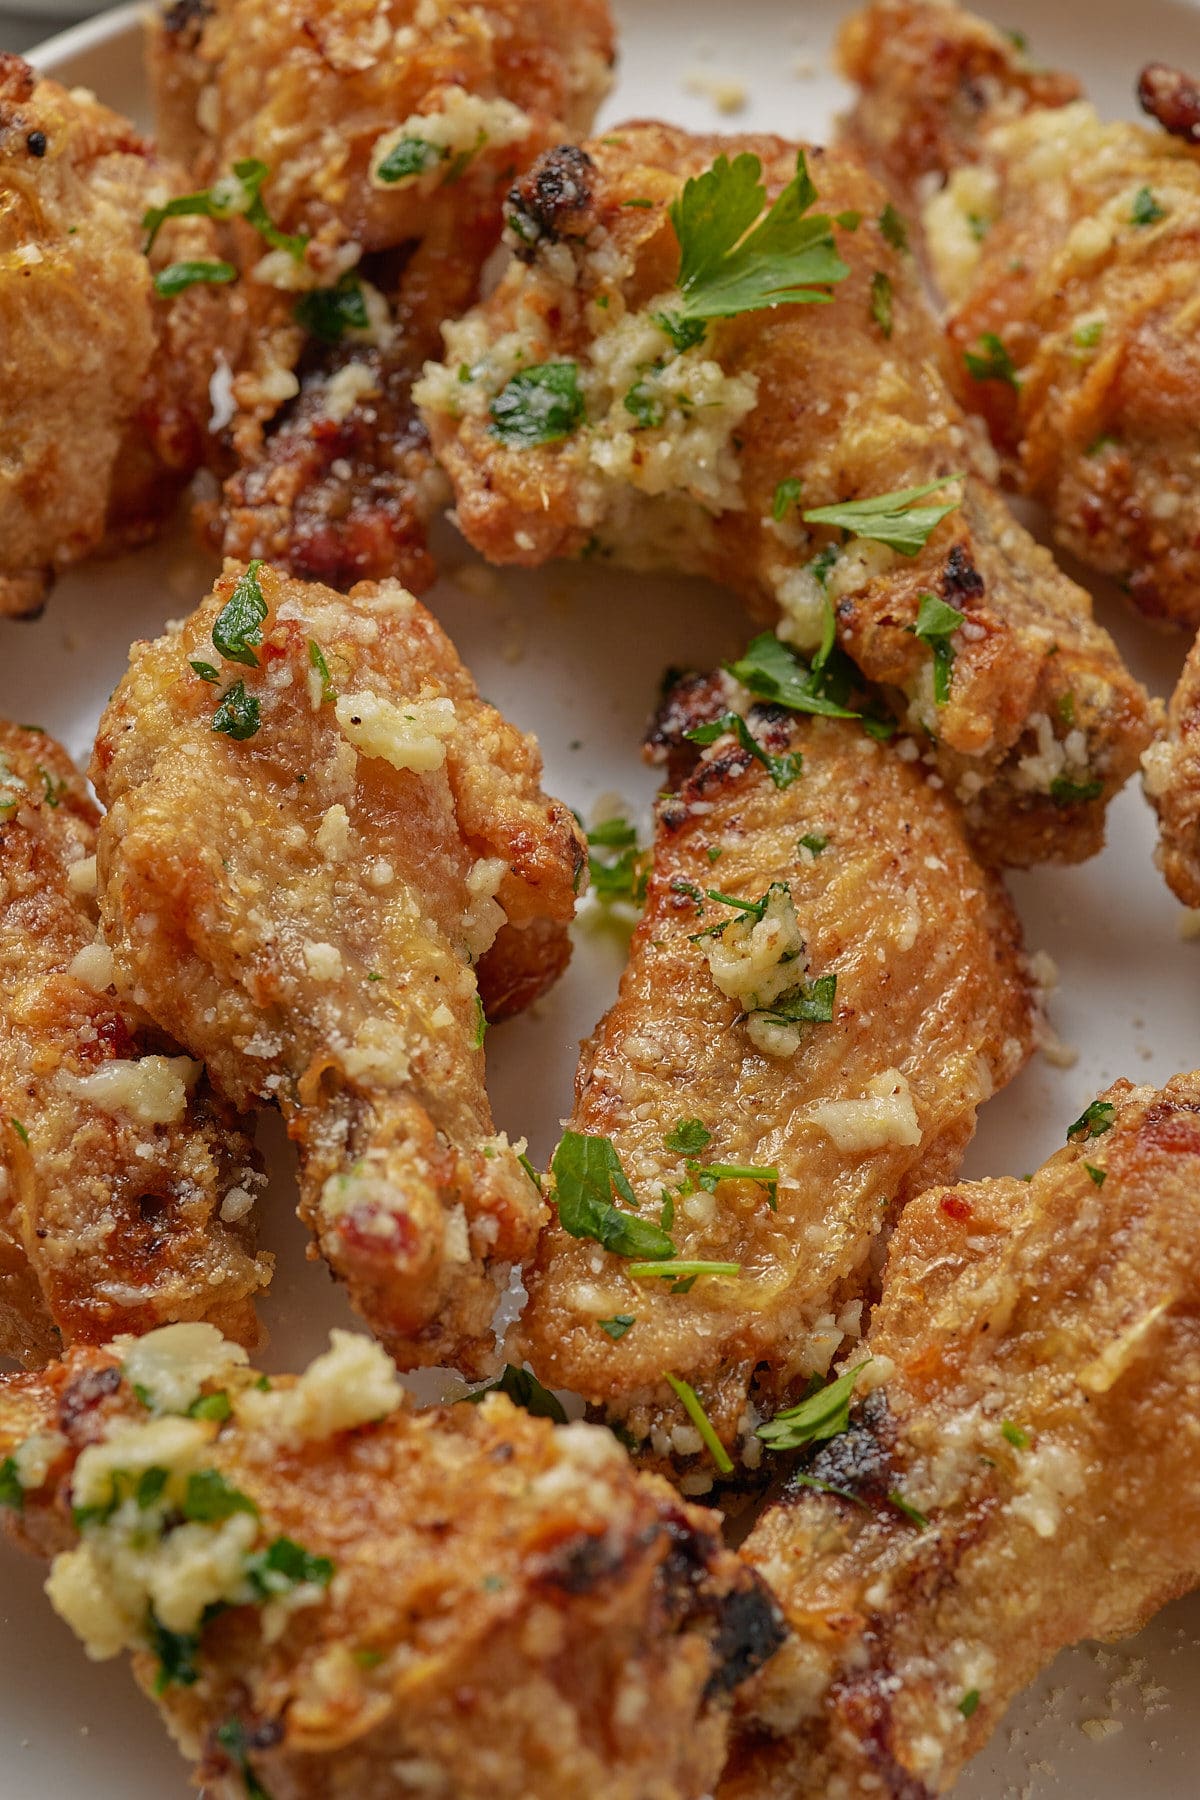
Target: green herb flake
x=687, y=1137
x=205, y=671
x=772, y=671
x=1094, y=1121
x=1089, y=335
x=1099, y=1176
x=814, y=842
x=969, y=1703
x=587, y=1173
x=408, y=157
x=645, y=406
x=685, y=334
x=316, y=660
x=991, y=362
x=783, y=770
x=978, y=226
x=238, y=715
x=209, y=1498
x=1014, y=1435
x=700, y=1419
x=540, y=405
x=617, y=1326
x=481, y=1025
x=177, y=277
x=524, y=1390
x=936, y=624
x=893, y=519
x=233, y=195
x=240, y=621
x=329, y=313
x=680, y=1266
x=11, y=1492
x=231, y=1735
x=787, y=495
x=1145, y=209
x=1074, y=793
x=823, y=1414
x=881, y=301
x=532, y=1173
x=910, y=1512
x=52, y=790
x=285, y=1565
x=849, y=220
x=20, y=1130
x=211, y=1406
x=893, y=227
x=176, y=1653
x=642, y=203
x=151, y=1487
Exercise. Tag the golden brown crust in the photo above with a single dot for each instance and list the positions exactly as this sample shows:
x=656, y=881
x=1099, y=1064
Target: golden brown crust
x=932, y=1003
x=1171, y=782
x=1041, y=708
x=1031, y=1342
x=307, y=914
x=513, y=1614
x=108, y=1222
x=105, y=385
x=1043, y=238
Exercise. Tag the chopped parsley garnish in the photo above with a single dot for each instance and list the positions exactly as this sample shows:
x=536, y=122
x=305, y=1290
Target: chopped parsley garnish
x=645, y=406
x=786, y=494
x=680, y=1265
x=532, y=1173
x=969, y=1702
x=1094, y=1121
x=238, y=715
x=936, y=624
x=823, y=1413
x=1099, y=1176
x=176, y=1653
x=539, y=405
x=814, y=842
x=481, y=1025
x=893, y=227
x=700, y=1419
x=316, y=660
x=774, y=672
x=240, y=621
x=209, y=1497
x=910, y=1512
x=524, y=1390
x=329, y=313
x=231, y=1735
x=1013, y=1434
x=587, y=1173
x=20, y=1130
x=179, y=276
x=285, y=1565
x=1089, y=335
x=685, y=334
x=618, y=1325
x=688, y=1137
x=881, y=301
x=892, y=519
x=205, y=671
x=152, y=1484
x=783, y=770
x=239, y=193
x=978, y=226
x=1071, y=793
x=407, y=157
x=991, y=362
x=734, y=261
x=11, y=1492
x=810, y=1002
x=52, y=790
x=1065, y=707
x=1145, y=209
x=624, y=876
x=211, y=1406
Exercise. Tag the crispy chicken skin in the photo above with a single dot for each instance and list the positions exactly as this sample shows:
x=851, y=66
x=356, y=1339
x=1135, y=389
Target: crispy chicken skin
x=506, y=1610
x=1073, y=242
x=336, y=481
x=1037, y=1355
x=932, y=1012
x=105, y=385
x=125, y=1187
x=306, y=905
x=1041, y=708
x=1171, y=782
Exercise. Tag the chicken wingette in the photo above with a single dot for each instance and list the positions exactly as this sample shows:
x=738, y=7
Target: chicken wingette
x=322, y=854
x=126, y=1188
x=1064, y=248
x=1020, y=1468
x=648, y=383
x=327, y=1592
x=823, y=987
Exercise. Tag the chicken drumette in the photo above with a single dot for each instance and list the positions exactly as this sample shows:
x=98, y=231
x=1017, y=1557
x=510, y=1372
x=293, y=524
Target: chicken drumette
x=326, y=1592
x=126, y=1188
x=319, y=836
x=1023, y=1471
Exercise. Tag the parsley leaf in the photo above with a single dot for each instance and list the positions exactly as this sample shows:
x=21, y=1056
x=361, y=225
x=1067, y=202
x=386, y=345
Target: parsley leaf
x=205, y=671
x=239, y=193
x=811, y=1002
x=991, y=362
x=179, y=276
x=231, y=1735
x=316, y=660
x=681, y=1265
x=11, y=1492
x=209, y=1497
x=1145, y=209
x=176, y=1653
x=774, y=672
x=618, y=1325
x=895, y=231
x=532, y=1173
x=700, y=1419
x=683, y=333
x=587, y=1172
x=936, y=624
x=783, y=770
x=688, y=1137
x=892, y=519
x=623, y=877
x=238, y=715
x=814, y=842
x=969, y=1702
x=331, y=312
x=285, y=1565
x=645, y=406
x=1094, y=1120
x=539, y=405
x=1071, y=793
x=881, y=301
x=524, y=1390
x=726, y=267
x=407, y=157
x=240, y=621
x=1014, y=1435
x=786, y=494
x=824, y=1413
x=1099, y=1176
x=210, y=1406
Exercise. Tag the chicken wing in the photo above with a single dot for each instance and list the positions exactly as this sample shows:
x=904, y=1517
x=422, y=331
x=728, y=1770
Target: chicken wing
x=385, y=136
x=823, y=987
x=326, y=1592
x=300, y=869
x=1171, y=782
x=570, y=422
x=126, y=1188
x=105, y=381
x=1024, y=1474
x=1065, y=250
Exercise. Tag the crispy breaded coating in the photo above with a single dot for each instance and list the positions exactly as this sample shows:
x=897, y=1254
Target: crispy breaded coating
x=125, y=1186
x=1171, y=783
x=105, y=384
x=300, y=869
x=1036, y=1360
x=382, y=128
x=678, y=458
x=327, y=1592
x=867, y=878
x=1065, y=251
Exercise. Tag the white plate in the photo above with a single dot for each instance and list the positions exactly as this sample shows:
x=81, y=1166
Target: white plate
x=575, y=654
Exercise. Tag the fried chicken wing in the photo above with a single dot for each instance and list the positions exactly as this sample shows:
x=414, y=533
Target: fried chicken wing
x=1171, y=782
x=708, y=458
x=105, y=382
x=1026, y=1472
x=300, y=870
x=125, y=1187
x=327, y=1592
x=387, y=134
x=823, y=987
x=1065, y=250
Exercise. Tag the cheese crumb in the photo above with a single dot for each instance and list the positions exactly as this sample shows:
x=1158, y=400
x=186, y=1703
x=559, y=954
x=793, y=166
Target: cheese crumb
x=408, y=736
x=352, y=1383
x=153, y=1090
x=171, y=1365
x=885, y=1116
